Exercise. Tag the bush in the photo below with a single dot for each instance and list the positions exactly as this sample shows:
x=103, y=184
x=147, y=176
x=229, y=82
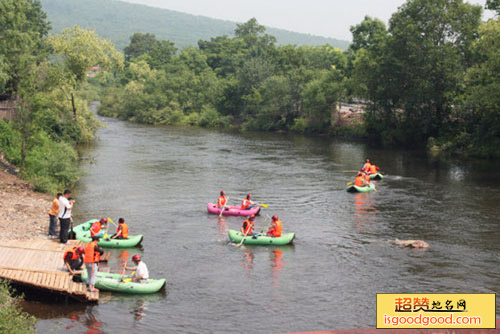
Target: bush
x=10, y=143
x=12, y=319
x=210, y=118
x=51, y=166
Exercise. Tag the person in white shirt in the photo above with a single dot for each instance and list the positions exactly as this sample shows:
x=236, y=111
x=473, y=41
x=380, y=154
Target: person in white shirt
x=64, y=215
x=141, y=270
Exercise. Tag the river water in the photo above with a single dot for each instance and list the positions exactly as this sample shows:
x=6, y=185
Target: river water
x=160, y=179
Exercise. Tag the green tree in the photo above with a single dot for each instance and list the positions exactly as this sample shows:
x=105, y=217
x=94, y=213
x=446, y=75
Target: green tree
x=139, y=44
x=81, y=49
x=493, y=5
x=23, y=26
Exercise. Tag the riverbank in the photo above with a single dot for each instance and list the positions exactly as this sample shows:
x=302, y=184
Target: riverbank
x=23, y=212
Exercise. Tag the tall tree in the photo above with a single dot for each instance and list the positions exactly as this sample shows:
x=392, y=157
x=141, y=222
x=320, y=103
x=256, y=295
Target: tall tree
x=139, y=45
x=23, y=26
x=81, y=49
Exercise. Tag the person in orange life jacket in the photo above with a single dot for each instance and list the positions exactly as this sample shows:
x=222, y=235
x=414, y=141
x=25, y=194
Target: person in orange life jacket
x=97, y=226
x=247, y=227
x=121, y=231
x=366, y=166
x=91, y=260
x=373, y=169
x=275, y=228
x=73, y=259
x=222, y=200
x=246, y=203
x=359, y=181
x=367, y=178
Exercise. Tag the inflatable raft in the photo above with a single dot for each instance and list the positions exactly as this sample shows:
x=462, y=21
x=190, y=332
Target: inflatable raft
x=376, y=177
x=285, y=239
x=112, y=282
x=82, y=233
x=353, y=189
x=233, y=211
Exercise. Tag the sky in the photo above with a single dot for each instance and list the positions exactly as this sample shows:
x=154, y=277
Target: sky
x=330, y=18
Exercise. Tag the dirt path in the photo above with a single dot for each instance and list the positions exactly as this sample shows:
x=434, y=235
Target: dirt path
x=23, y=212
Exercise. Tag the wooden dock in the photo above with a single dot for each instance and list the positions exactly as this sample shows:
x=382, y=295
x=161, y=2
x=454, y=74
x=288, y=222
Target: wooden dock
x=39, y=264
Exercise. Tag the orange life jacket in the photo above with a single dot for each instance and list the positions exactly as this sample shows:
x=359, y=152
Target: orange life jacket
x=124, y=228
x=74, y=255
x=367, y=178
x=275, y=229
x=366, y=166
x=95, y=228
x=247, y=227
x=358, y=182
x=221, y=201
x=373, y=169
x=91, y=254
x=245, y=204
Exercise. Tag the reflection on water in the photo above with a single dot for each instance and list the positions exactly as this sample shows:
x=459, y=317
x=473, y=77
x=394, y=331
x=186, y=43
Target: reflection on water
x=164, y=178
x=364, y=211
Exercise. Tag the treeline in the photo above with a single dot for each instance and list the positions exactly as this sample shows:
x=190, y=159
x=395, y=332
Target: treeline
x=45, y=78
x=246, y=81
x=429, y=79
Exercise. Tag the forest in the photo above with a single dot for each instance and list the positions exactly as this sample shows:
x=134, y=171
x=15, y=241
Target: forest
x=428, y=79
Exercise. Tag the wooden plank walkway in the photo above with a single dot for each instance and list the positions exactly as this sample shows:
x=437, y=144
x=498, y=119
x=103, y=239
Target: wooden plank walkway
x=39, y=263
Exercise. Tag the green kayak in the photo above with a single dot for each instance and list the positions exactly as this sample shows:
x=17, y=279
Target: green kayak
x=285, y=239
x=353, y=189
x=112, y=282
x=376, y=177
x=83, y=234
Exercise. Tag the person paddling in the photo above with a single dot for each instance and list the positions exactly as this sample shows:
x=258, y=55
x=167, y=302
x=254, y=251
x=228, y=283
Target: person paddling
x=373, y=169
x=366, y=166
x=359, y=181
x=91, y=260
x=246, y=203
x=247, y=227
x=121, y=231
x=275, y=228
x=222, y=200
x=141, y=270
x=97, y=226
x=73, y=259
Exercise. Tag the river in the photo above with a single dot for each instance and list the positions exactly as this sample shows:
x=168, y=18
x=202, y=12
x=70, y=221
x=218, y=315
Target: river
x=160, y=179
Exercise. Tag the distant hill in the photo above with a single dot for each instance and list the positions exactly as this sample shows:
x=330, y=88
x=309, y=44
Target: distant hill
x=117, y=21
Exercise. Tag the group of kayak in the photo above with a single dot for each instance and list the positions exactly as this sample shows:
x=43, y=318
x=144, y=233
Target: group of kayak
x=94, y=233
x=247, y=235
x=362, y=182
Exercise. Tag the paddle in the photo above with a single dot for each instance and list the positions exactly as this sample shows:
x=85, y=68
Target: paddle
x=123, y=272
x=241, y=242
x=221, y=211
x=349, y=183
x=350, y=171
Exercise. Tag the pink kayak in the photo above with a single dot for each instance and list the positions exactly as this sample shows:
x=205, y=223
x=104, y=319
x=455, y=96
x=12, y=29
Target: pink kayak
x=233, y=211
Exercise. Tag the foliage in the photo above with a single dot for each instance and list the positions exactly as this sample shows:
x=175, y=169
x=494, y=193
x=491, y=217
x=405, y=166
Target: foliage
x=245, y=81
x=12, y=319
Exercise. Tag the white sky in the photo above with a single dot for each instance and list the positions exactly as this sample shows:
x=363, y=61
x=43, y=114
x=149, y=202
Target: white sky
x=330, y=18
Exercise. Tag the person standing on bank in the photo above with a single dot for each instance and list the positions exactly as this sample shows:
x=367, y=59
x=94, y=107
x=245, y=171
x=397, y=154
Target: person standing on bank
x=53, y=213
x=65, y=207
